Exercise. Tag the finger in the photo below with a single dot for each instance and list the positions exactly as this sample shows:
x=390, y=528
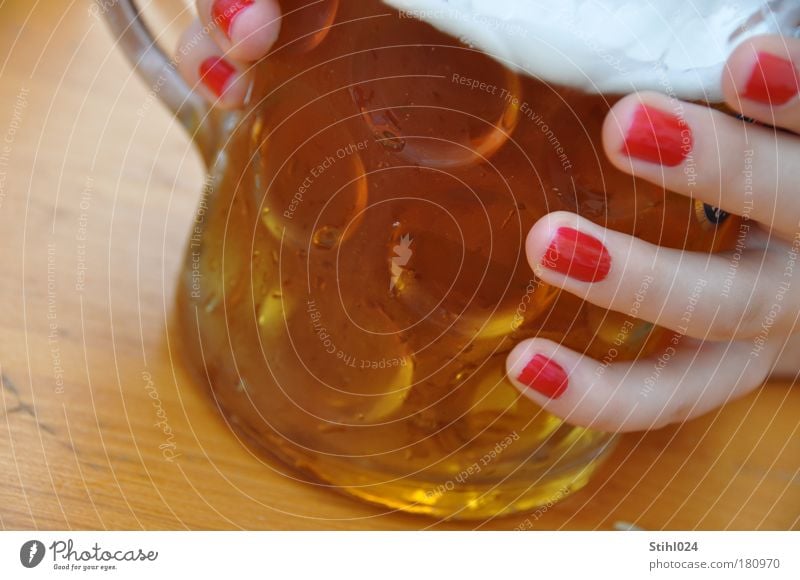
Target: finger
x=705, y=296
x=703, y=153
x=244, y=30
x=201, y=64
x=762, y=81
x=682, y=382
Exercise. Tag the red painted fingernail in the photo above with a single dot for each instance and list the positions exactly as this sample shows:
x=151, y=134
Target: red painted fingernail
x=544, y=376
x=216, y=73
x=657, y=137
x=577, y=255
x=773, y=81
x=225, y=12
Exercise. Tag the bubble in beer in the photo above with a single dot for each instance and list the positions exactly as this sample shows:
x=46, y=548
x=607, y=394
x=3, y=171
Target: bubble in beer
x=274, y=311
x=327, y=237
x=391, y=141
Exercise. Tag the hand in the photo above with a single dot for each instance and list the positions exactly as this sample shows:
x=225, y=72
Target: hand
x=215, y=52
x=732, y=313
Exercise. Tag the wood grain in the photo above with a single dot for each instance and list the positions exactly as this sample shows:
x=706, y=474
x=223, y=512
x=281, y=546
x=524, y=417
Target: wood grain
x=97, y=190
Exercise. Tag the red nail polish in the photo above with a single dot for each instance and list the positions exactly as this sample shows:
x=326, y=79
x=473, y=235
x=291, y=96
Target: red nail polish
x=224, y=12
x=577, y=255
x=773, y=81
x=216, y=73
x=544, y=376
x=658, y=137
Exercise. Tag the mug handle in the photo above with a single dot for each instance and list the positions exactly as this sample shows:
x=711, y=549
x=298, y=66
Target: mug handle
x=201, y=122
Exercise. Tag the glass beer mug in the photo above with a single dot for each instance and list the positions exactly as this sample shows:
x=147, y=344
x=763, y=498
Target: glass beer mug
x=356, y=272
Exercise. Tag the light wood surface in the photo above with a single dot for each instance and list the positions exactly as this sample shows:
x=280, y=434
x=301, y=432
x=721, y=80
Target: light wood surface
x=89, y=155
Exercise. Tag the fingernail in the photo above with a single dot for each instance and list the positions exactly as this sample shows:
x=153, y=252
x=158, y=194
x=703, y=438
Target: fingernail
x=225, y=12
x=216, y=73
x=577, y=255
x=544, y=376
x=659, y=137
x=773, y=80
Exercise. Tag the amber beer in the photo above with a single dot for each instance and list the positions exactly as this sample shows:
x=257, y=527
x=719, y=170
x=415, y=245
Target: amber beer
x=362, y=269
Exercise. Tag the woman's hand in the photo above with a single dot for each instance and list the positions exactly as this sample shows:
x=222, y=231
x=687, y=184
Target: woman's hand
x=733, y=312
x=216, y=51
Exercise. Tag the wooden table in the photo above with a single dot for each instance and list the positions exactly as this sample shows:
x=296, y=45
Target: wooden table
x=97, y=190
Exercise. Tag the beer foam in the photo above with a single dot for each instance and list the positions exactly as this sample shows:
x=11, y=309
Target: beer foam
x=611, y=46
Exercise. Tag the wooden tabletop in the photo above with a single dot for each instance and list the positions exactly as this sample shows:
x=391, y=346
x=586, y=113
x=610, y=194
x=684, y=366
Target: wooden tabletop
x=97, y=190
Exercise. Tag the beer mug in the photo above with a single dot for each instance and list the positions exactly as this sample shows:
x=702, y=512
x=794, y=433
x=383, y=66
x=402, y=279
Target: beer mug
x=356, y=276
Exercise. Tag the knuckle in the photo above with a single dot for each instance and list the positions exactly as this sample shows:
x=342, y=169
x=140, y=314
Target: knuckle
x=743, y=313
x=729, y=325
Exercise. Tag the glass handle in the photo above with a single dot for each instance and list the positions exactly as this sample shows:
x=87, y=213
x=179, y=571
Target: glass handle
x=127, y=24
